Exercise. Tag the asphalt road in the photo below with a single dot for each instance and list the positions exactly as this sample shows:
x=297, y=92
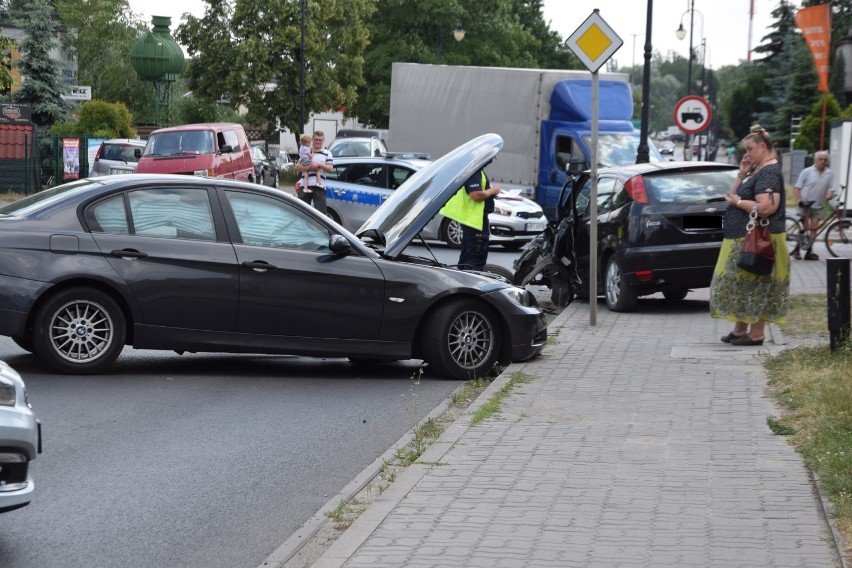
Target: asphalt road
x=202, y=460
x=198, y=460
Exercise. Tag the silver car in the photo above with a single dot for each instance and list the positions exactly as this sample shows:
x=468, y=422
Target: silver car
x=357, y=187
x=20, y=441
x=117, y=156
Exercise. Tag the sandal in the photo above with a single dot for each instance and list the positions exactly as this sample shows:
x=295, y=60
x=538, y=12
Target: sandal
x=731, y=337
x=746, y=340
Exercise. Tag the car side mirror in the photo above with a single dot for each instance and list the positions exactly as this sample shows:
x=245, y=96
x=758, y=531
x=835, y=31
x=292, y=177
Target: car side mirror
x=338, y=244
x=137, y=153
x=576, y=167
x=226, y=149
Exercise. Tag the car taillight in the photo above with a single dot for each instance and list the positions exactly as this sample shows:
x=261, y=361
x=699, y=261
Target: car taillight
x=643, y=275
x=635, y=188
x=98, y=153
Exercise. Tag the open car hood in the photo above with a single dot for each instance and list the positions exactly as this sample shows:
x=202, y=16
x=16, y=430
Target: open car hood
x=415, y=202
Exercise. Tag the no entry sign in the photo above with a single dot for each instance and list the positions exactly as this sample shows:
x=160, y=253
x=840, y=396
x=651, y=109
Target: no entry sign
x=692, y=114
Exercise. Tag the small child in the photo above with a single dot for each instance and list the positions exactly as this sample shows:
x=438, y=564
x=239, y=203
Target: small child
x=305, y=155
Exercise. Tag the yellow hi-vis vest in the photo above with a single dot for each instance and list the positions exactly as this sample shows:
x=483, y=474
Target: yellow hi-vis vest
x=465, y=210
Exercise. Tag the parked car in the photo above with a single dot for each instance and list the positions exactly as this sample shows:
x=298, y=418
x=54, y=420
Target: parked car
x=186, y=263
x=659, y=228
x=284, y=161
x=358, y=186
x=666, y=147
x=352, y=147
x=117, y=156
x=215, y=149
x=265, y=170
x=20, y=441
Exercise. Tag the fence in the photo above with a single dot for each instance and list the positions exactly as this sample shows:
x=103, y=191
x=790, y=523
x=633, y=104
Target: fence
x=32, y=162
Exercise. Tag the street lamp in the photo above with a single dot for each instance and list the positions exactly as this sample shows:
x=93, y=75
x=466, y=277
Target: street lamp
x=458, y=35
x=681, y=33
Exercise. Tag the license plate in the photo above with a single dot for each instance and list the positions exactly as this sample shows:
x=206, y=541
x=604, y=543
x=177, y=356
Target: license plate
x=117, y=171
x=535, y=227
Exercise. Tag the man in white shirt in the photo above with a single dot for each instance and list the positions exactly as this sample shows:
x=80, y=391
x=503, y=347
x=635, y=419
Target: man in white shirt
x=321, y=162
x=812, y=189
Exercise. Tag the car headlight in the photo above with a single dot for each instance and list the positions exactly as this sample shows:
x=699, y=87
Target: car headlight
x=8, y=395
x=521, y=296
x=502, y=211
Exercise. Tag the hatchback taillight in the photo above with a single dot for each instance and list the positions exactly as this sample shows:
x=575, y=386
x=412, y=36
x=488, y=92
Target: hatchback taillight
x=635, y=188
x=98, y=154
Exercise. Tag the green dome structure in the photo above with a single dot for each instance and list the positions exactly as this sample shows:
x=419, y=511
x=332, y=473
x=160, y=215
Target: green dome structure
x=157, y=58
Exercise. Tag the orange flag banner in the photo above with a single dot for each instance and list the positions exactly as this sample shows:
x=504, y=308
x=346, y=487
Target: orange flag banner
x=815, y=23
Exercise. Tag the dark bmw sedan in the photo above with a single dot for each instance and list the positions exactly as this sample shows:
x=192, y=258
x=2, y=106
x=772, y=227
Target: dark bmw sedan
x=209, y=265
x=659, y=228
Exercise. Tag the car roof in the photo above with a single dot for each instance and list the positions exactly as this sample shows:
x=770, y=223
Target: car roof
x=415, y=163
x=130, y=141
x=198, y=126
x=660, y=167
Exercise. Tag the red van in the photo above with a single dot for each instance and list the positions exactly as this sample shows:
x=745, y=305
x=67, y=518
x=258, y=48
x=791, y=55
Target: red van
x=216, y=149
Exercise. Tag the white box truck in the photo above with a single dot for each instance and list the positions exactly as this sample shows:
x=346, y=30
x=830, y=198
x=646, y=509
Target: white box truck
x=840, y=158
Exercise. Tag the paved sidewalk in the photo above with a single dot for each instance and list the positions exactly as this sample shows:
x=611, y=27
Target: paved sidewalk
x=641, y=441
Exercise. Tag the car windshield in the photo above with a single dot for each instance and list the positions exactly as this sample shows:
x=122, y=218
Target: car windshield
x=43, y=198
x=180, y=142
x=349, y=148
x=620, y=149
x=689, y=187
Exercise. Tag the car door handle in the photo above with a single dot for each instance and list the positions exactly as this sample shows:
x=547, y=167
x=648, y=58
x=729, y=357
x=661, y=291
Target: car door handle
x=338, y=191
x=259, y=265
x=129, y=253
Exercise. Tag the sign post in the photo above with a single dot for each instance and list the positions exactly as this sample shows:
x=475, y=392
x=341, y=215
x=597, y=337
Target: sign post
x=593, y=43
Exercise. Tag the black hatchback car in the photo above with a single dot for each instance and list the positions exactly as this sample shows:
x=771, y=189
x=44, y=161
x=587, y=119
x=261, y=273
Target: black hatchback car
x=659, y=228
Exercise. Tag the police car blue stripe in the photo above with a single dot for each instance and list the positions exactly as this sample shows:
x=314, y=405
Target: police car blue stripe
x=344, y=195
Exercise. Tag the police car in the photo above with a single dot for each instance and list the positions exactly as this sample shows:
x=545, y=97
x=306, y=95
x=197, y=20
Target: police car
x=357, y=187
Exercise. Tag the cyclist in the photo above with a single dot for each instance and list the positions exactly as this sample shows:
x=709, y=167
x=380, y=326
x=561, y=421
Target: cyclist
x=814, y=186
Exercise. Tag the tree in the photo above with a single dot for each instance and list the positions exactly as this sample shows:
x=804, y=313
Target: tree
x=101, y=33
x=5, y=64
x=773, y=43
x=501, y=33
x=249, y=52
x=100, y=119
x=41, y=87
x=812, y=129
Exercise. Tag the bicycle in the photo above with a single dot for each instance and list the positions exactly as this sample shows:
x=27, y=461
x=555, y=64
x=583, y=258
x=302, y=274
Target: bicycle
x=837, y=232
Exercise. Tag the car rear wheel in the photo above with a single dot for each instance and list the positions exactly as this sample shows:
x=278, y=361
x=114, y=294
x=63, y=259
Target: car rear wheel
x=461, y=340
x=79, y=331
x=619, y=296
x=451, y=233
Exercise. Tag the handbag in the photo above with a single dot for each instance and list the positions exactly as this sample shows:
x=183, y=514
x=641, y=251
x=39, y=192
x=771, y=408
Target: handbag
x=757, y=254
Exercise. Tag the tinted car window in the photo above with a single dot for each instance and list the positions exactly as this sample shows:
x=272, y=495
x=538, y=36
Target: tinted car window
x=118, y=152
x=691, y=187
x=172, y=213
x=109, y=216
x=267, y=222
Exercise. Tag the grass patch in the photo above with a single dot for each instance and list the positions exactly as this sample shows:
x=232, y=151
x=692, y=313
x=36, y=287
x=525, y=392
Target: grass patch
x=493, y=406
x=806, y=315
x=814, y=387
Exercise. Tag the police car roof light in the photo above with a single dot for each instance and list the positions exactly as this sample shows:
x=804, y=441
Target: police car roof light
x=409, y=155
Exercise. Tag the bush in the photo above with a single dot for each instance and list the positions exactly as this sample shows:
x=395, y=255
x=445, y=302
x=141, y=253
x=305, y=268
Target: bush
x=100, y=119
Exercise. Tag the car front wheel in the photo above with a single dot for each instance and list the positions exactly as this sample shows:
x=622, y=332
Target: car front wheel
x=619, y=296
x=461, y=340
x=79, y=331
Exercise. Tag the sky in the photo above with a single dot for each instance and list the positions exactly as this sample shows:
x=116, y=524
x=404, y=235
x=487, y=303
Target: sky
x=723, y=23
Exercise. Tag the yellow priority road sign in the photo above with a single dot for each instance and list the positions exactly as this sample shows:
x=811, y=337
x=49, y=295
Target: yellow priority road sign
x=594, y=42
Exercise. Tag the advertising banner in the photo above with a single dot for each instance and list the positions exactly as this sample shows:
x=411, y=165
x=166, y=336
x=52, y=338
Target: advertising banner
x=815, y=23
x=70, y=158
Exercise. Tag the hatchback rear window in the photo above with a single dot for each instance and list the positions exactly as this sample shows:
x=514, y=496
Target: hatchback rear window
x=119, y=153
x=689, y=187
